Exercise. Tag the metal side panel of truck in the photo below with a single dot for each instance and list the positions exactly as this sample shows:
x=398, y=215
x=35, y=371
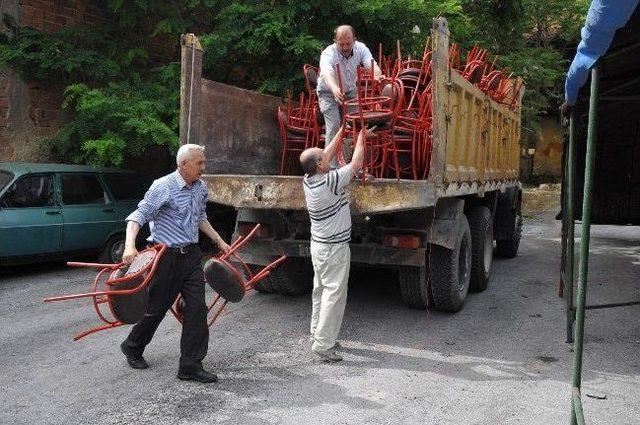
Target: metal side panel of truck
x=439, y=233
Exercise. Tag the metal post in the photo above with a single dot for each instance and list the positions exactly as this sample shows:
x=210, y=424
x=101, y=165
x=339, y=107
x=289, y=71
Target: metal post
x=570, y=223
x=585, y=235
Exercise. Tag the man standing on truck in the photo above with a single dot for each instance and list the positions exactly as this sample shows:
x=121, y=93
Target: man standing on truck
x=349, y=54
x=175, y=207
x=330, y=235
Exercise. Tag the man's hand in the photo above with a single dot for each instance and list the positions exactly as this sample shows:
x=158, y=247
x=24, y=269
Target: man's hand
x=223, y=246
x=338, y=95
x=130, y=252
x=380, y=78
x=370, y=131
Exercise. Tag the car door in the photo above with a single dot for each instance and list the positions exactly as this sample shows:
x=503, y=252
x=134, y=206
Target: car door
x=88, y=211
x=30, y=218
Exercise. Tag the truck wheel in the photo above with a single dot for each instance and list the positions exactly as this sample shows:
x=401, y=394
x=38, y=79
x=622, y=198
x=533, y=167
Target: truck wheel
x=508, y=247
x=481, y=226
x=113, y=249
x=293, y=277
x=450, y=270
x=264, y=285
x=414, y=290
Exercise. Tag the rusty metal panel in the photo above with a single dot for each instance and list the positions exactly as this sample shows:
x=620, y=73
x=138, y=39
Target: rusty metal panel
x=239, y=129
x=286, y=193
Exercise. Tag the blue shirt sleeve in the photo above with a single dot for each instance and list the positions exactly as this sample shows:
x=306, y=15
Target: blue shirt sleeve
x=202, y=216
x=603, y=19
x=148, y=208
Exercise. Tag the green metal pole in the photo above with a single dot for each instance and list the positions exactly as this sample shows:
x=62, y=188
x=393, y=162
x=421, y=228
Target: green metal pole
x=569, y=214
x=585, y=235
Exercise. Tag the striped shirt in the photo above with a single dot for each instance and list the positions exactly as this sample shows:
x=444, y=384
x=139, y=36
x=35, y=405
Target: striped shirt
x=173, y=209
x=331, y=56
x=328, y=206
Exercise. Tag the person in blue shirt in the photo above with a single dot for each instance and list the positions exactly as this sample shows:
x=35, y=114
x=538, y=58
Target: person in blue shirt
x=175, y=208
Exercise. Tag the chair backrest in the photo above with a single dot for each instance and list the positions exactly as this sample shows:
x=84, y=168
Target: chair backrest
x=311, y=74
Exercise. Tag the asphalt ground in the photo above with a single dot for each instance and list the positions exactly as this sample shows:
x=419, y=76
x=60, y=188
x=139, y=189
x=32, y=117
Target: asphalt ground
x=501, y=360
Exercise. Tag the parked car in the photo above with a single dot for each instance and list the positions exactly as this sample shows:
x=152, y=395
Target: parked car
x=55, y=211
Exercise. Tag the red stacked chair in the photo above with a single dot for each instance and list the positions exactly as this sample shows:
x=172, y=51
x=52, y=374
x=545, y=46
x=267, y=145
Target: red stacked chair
x=298, y=131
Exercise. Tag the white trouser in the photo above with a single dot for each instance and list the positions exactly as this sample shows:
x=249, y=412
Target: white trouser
x=331, y=265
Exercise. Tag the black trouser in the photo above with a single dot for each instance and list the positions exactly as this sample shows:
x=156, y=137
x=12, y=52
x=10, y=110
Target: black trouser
x=182, y=273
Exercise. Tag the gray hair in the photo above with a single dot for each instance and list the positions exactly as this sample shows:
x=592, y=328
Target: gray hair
x=184, y=151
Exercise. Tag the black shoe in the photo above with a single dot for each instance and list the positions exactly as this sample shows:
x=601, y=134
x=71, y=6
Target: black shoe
x=136, y=361
x=199, y=375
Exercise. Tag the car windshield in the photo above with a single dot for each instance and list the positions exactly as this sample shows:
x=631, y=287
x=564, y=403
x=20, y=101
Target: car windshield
x=5, y=178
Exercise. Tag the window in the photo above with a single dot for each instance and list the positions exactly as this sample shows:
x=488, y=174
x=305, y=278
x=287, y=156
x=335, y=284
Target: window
x=5, y=178
x=82, y=189
x=30, y=191
x=125, y=186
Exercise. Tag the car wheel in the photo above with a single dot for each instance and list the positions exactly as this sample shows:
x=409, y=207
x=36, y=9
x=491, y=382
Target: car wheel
x=113, y=250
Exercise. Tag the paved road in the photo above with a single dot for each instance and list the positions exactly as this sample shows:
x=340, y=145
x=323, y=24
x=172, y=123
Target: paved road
x=502, y=360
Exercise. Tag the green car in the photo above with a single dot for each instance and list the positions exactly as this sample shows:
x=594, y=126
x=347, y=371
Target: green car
x=56, y=211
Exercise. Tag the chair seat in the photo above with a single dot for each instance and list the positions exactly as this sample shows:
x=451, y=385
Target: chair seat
x=130, y=308
x=224, y=280
x=381, y=119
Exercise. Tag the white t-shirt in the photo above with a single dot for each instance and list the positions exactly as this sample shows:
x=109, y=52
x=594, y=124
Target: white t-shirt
x=328, y=206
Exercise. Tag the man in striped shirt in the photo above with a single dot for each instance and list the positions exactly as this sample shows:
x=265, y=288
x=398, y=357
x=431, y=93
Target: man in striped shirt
x=175, y=208
x=330, y=234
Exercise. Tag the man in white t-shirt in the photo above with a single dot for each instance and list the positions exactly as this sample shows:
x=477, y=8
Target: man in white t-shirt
x=349, y=54
x=330, y=235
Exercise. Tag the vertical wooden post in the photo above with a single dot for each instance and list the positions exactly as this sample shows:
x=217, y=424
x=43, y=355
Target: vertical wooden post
x=190, y=86
x=440, y=71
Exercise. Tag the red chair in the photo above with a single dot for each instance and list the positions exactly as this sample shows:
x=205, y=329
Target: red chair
x=298, y=131
x=120, y=292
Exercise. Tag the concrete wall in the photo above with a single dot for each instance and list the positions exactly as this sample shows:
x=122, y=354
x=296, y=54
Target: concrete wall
x=32, y=111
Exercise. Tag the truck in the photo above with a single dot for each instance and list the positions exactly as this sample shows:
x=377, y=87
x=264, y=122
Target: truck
x=439, y=234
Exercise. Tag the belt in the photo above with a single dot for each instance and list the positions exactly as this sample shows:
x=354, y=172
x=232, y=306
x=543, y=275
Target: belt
x=184, y=249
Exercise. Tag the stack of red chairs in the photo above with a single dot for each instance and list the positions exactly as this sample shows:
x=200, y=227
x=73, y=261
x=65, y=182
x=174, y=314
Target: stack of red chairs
x=400, y=106
x=298, y=131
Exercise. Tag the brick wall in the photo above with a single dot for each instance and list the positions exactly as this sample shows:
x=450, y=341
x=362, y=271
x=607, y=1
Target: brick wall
x=32, y=111
x=50, y=16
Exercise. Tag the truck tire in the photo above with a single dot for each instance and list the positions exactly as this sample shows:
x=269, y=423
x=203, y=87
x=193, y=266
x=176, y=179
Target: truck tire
x=450, y=270
x=414, y=290
x=113, y=249
x=293, y=277
x=481, y=226
x=508, y=247
x=263, y=286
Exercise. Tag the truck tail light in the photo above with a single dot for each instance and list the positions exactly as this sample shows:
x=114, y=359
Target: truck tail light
x=402, y=241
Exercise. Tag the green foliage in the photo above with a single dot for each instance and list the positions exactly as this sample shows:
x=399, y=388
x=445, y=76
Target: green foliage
x=68, y=55
x=124, y=96
x=120, y=119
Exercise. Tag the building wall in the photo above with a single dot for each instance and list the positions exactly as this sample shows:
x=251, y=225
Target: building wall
x=32, y=111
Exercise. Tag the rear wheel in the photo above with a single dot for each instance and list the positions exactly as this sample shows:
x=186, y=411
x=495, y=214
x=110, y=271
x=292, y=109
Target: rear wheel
x=293, y=277
x=450, y=270
x=481, y=226
x=112, y=252
x=507, y=247
x=414, y=288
